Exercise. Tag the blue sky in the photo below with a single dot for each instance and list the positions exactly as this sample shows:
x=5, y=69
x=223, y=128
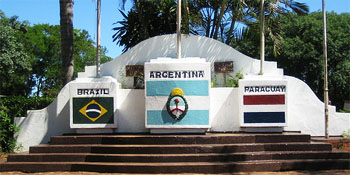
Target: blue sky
x=47, y=12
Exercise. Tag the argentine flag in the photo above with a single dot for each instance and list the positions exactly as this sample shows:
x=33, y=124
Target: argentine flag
x=192, y=77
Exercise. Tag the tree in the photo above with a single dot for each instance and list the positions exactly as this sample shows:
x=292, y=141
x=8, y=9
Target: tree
x=301, y=53
x=30, y=63
x=14, y=62
x=211, y=14
x=237, y=15
x=273, y=11
x=216, y=19
x=42, y=43
x=307, y=33
x=66, y=21
x=146, y=19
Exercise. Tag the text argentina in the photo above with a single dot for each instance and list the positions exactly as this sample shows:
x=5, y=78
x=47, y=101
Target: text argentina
x=176, y=74
x=265, y=88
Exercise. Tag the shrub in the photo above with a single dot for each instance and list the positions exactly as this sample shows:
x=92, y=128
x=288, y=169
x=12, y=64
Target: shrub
x=7, y=131
x=344, y=110
x=16, y=106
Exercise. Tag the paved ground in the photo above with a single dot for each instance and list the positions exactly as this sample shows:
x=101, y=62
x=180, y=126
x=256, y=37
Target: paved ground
x=332, y=172
x=3, y=158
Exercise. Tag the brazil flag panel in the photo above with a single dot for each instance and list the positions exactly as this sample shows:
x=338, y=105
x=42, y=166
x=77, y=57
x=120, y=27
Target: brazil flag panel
x=93, y=110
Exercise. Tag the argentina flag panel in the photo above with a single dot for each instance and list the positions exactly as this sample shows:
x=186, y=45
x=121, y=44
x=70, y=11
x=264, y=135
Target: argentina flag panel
x=177, y=93
x=263, y=102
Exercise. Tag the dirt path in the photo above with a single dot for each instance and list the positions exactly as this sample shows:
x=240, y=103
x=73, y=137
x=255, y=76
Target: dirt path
x=3, y=158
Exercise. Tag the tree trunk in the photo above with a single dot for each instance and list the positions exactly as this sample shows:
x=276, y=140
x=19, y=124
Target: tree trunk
x=218, y=21
x=230, y=31
x=214, y=22
x=66, y=16
x=207, y=30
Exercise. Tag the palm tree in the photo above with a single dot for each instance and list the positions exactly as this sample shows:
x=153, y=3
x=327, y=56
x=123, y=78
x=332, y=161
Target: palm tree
x=146, y=19
x=218, y=18
x=273, y=9
x=238, y=14
x=208, y=15
x=66, y=21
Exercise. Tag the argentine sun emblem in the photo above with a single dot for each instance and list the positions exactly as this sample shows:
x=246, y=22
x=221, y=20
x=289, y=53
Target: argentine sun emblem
x=177, y=104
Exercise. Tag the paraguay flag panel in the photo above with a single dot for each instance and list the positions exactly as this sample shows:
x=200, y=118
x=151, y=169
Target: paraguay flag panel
x=264, y=103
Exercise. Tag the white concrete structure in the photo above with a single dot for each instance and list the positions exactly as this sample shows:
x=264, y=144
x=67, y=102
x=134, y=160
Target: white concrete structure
x=188, y=80
x=192, y=46
x=99, y=94
x=305, y=111
x=263, y=101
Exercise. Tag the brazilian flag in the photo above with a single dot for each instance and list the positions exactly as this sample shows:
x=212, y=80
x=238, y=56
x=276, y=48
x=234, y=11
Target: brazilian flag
x=93, y=110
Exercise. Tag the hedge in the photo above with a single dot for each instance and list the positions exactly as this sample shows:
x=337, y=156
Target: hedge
x=16, y=106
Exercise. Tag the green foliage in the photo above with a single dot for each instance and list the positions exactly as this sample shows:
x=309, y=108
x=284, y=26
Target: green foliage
x=339, y=146
x=42, y=42
x=301, y=52
x=146, y=19
x=213, y=81
x=344, y=110
x=346, y=134
x=18, y=105
x=7, y=131
x=232, y=80
x=85, y=51
x=30, y=57
x=14, y=61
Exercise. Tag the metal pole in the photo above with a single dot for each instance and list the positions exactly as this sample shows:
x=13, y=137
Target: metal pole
x=262, y=38
x=326, y=100
x=178, y=29
x=98, y=40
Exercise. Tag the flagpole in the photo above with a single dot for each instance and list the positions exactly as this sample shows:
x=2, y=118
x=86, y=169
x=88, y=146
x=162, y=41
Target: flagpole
x=262, y=38
x=98, y=40
x=178, y=30
x=325, y=68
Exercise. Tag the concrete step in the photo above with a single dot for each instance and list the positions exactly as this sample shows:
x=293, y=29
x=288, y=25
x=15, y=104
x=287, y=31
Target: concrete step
x=209, y=153
x=205, y=157
x=178, y=139
x=179, y=167
x=180, y=149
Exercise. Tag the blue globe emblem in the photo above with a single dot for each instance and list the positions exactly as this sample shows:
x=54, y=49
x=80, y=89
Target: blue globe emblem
x=93, y=110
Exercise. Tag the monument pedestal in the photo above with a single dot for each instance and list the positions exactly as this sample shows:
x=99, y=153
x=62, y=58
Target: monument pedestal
x=94, y=131
x=93, y=105
x=177, y=95
x=263, y=104
x=178, y=131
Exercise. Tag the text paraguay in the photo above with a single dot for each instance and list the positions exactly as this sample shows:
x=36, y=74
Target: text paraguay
x=280, y=88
